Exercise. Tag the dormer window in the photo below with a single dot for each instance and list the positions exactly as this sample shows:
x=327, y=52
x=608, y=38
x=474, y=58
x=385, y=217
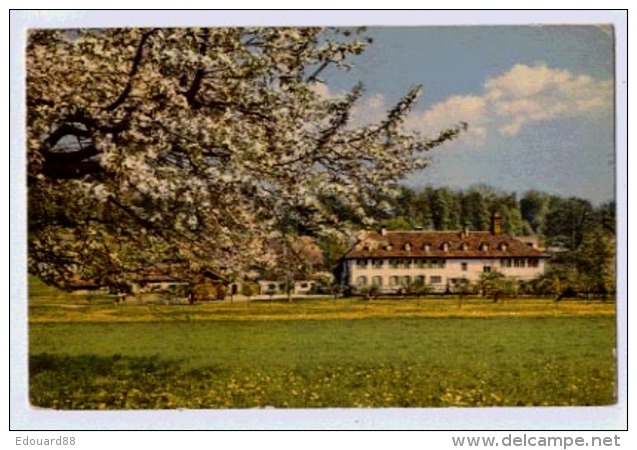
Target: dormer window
x=389, y=247
x=503, y=246
x=426, y=247
x=464, y=246
x=484, y=247
x=407, y=247
x=445, y=246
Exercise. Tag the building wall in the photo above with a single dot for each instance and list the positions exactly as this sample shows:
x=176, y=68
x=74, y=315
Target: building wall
x=157, y=286
x=272, y=287
x=453, y=269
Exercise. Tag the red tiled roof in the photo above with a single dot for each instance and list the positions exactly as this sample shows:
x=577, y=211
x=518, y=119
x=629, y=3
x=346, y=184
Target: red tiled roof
x=474, y=244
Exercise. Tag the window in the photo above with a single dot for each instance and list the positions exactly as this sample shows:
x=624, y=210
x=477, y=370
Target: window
x=406, y=280
x=486, y=269
x=534, y=262
x=394, y=263
x=419, y=263
x=407, y=263
x=377, y=281
x=361, y=281
x=463, y=266
x=434, y=263
x=435, y=279
x=506, y=262
x=393, y=281
x=377, y=263
x=304, y=286
x=361, y=263
x=420, y=280
x=519, y=263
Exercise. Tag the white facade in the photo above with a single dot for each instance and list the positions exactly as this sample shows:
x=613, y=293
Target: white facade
x=390, y=275
x=271, y=287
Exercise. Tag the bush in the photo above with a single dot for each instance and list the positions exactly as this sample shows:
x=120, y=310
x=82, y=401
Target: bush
x=249, y=289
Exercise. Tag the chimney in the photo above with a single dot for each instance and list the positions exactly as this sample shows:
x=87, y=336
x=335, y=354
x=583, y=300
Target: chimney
x=496, y=223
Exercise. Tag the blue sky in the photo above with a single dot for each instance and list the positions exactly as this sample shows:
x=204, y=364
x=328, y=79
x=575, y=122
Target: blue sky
x=538, y=99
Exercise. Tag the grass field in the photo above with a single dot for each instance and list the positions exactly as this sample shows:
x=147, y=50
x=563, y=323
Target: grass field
x=93, y=354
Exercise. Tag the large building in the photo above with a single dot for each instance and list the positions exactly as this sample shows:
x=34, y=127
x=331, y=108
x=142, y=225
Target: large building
x=443, y=260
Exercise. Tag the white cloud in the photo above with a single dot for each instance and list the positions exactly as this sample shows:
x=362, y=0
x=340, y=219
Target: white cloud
x=323, y=90
x=522, y=96
x=459, y=108
x=376, y=101
x=529, y=94
x=524, y=81
x=369, y=109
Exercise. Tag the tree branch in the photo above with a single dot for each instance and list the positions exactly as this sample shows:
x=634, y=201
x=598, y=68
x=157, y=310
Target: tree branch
x=317, y=72
x=191, y=94
x=136, y=63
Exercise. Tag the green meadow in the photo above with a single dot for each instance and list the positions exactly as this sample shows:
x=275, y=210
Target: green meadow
x=90, y=353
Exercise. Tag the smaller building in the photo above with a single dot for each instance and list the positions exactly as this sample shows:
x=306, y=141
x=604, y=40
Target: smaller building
x=156, y=282
x=278, y=287
x=86, y=287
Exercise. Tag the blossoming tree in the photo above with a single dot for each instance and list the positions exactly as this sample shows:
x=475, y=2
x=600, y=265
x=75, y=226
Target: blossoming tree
x=186, y=150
